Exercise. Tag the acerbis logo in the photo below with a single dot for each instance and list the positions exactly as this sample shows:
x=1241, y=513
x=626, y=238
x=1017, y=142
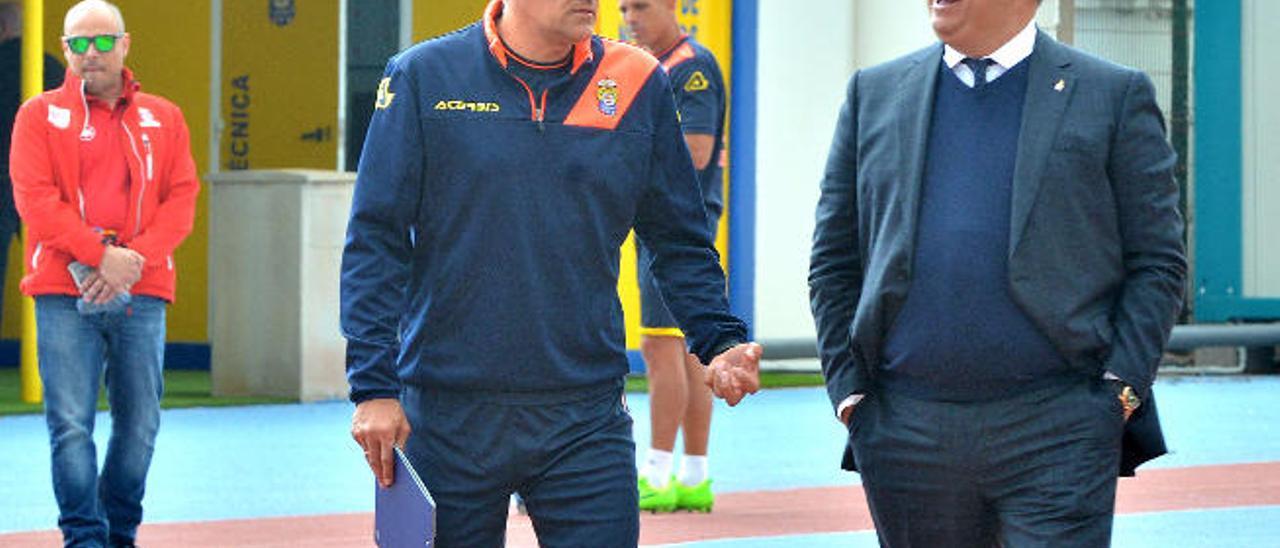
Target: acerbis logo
x=472, y=106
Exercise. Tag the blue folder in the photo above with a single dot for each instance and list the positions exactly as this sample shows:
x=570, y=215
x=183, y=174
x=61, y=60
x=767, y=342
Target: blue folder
x=405, y=513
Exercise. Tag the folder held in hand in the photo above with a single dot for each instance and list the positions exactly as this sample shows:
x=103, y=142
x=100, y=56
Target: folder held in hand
x=405, y=513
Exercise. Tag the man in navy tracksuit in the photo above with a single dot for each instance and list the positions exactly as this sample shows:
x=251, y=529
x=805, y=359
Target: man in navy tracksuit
x=678, y=401
x=504, y=166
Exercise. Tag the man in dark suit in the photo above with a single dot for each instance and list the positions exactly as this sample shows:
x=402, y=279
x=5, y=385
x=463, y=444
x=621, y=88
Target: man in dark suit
x=996, y=267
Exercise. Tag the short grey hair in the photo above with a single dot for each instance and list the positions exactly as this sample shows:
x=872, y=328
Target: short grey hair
x=85, y=5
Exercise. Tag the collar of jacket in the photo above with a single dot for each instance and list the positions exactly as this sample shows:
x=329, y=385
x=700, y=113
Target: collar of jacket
x=72, y=92
x=581, y=51
x=684, y=37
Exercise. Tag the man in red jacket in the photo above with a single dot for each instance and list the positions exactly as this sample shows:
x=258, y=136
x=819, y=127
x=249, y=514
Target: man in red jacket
x=104, y=179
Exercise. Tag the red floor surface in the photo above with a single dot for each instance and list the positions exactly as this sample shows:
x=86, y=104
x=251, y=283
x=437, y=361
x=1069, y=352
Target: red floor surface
x=737, y=515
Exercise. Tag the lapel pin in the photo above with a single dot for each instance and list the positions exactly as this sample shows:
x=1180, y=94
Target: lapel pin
x=1061, y=85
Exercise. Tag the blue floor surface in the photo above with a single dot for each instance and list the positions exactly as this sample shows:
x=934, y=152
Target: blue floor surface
x=1253, y=527
x=293, y=460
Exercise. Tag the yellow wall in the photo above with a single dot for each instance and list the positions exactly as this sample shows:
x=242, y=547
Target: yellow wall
x=170, y=56
x=279, y=83
x=432, y=18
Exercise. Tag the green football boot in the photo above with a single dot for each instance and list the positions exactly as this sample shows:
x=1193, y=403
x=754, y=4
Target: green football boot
x=657, y=500
x=696, y=498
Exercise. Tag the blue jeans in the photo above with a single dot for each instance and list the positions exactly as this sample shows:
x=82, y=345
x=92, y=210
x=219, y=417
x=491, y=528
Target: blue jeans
x=75, y=351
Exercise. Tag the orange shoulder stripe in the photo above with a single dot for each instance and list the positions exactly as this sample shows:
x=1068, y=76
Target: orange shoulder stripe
x=621, y=74
x=680, y=55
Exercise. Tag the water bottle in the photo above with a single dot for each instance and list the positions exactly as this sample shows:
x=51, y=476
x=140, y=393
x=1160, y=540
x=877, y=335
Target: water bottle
x=80, y=272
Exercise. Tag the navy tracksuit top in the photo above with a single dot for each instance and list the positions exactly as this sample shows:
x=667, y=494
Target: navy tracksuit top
x=482, y=251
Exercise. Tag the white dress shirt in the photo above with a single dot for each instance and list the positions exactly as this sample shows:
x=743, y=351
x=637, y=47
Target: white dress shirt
x=1004, y=58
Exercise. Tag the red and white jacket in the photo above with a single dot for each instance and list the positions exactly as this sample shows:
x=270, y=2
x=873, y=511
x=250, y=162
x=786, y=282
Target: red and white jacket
x=44, y=164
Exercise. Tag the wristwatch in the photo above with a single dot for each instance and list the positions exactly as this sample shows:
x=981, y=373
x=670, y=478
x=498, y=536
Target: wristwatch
x=1129, y=400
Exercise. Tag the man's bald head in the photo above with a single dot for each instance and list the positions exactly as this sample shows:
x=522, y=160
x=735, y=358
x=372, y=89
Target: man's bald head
x=92, y=8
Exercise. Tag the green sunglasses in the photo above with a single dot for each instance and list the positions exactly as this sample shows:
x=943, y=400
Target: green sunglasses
x=103, y=42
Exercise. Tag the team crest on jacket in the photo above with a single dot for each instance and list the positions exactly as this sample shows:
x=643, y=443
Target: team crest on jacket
x=282, y=11
x=607, y=96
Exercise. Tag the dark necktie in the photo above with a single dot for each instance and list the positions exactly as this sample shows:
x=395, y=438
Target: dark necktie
x=979, y=68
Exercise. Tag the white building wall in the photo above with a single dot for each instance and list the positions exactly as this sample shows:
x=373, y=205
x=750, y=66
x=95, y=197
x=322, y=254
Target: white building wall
x=805, y=59
x=1133, y=33
x=1261, y=173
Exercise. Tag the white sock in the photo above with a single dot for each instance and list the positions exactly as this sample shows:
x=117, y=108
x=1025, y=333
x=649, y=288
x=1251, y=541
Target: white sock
x=658, y=467
x=693, y=469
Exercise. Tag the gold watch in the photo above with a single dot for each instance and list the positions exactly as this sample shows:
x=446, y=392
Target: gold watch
x=1129, y=400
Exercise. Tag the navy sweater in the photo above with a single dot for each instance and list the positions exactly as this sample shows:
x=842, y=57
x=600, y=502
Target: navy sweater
x=960, y=336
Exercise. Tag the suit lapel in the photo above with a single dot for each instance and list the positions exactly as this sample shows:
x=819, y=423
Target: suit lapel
x=1050, y=83
x=915, y=109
